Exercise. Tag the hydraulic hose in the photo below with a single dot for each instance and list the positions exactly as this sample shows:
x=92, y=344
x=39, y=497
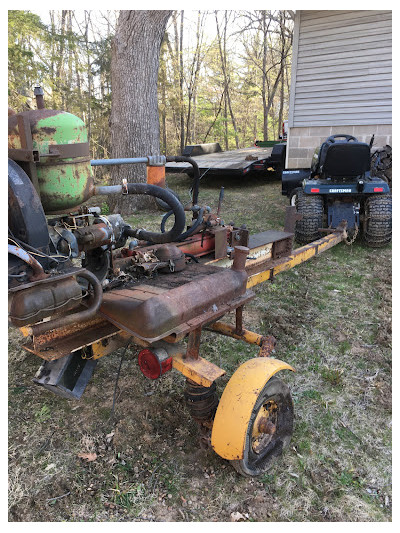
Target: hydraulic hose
x=190, y=231
x=174, y=204
x=196, y=173
x=157, y=192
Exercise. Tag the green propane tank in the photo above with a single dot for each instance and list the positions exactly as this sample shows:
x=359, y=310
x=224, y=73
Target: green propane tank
x=60, y=146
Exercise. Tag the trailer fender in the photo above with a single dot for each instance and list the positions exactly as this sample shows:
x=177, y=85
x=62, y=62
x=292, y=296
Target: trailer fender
x=237, y=402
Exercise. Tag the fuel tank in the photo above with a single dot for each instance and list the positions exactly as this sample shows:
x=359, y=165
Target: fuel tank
x=155, y=309
x=60, y=142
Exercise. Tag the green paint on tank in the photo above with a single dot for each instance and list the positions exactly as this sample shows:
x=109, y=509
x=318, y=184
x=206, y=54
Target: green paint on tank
x=64, y=183
x=60, y=128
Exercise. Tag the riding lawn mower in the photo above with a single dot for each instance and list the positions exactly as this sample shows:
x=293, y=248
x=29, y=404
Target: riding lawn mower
x=338, y=187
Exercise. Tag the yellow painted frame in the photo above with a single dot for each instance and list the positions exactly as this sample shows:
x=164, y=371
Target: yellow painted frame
x=237, y=402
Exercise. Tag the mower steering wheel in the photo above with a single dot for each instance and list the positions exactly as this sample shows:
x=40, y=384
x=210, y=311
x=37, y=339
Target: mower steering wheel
x=348, y=138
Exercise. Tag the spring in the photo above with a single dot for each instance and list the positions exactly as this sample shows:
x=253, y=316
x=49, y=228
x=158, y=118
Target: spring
x=201, y=401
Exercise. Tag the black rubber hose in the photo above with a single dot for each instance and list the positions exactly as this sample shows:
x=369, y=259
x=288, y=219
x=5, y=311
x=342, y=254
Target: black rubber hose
x=192, y=257
x=190, y=231
x=174, y=204
x=164, y=220
x=196, y=173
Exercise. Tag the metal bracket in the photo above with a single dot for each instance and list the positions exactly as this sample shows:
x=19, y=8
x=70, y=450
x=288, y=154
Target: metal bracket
x=156, y=160
x=66, y=377
x=291, y=217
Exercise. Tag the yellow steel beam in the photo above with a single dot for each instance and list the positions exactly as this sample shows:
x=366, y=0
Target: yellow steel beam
x=298, y=256
x=198, y=370
x=106, y=346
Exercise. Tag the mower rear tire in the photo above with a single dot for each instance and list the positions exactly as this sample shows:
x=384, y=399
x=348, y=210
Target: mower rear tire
x=312, y=209
x=377, y=229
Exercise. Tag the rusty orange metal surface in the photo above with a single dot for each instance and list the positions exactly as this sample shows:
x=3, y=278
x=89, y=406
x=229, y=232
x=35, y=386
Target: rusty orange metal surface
x=62, y=341
x=156, y=176
x=154, y=311
x=193, y=346
x=199, y=244
x=230, y=331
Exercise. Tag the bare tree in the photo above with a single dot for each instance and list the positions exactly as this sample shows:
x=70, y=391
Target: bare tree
x=193, y=77
x=221, y=33
x=269, y=55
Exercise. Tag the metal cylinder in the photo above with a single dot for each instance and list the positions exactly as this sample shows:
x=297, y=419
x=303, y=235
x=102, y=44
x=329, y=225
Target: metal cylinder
x=41, y=301
x=80, y=316
x=93, y=236
x=60, y=142
x=240, y=258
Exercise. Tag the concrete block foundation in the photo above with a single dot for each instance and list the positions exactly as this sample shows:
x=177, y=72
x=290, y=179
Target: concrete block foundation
x=303, y=141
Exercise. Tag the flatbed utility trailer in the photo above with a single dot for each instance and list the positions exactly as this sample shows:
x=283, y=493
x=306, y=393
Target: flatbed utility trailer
x=212, y=160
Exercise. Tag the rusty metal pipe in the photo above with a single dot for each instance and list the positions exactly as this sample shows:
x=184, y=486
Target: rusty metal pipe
x=240, y=258
x=38, y=272
x=230, y=331
x=81, y=316
x=39, y=95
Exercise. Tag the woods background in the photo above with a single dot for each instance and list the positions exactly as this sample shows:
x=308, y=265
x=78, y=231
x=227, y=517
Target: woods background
x=224, y=75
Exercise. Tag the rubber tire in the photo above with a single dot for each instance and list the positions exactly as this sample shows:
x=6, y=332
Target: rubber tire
x=163, y=205
x=276, y=390
x=377, y=231
x=312, y=209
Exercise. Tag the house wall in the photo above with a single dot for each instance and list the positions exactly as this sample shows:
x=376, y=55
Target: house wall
x=341, y=80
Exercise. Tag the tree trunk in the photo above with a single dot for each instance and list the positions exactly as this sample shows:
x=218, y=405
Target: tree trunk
x=89, y=77
x=135, y=128
x=265, y=28
x=226, y=139
x=223, y=56
x=163, y=110
x=181, y=85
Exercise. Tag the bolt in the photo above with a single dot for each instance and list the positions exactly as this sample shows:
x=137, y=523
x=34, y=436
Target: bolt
x=266, y=426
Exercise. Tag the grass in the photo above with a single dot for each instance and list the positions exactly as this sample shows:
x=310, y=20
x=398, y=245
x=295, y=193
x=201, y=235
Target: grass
x=332, y=319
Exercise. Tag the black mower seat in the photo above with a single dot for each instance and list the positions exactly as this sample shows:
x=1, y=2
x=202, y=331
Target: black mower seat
x=343, y=156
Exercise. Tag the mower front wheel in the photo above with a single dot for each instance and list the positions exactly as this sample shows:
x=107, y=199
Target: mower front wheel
x=377, y=229
x=293, y=196
x=312, y=209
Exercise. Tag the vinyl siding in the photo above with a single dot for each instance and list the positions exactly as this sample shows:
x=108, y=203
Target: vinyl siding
x=342, y=68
